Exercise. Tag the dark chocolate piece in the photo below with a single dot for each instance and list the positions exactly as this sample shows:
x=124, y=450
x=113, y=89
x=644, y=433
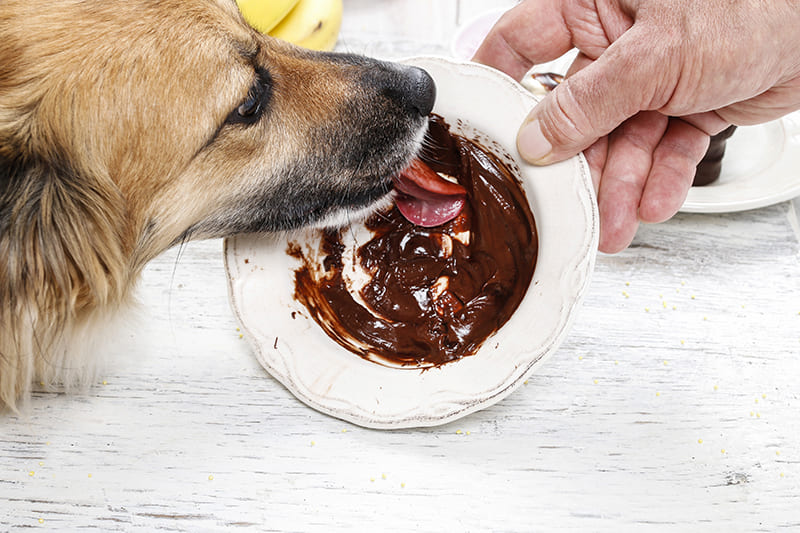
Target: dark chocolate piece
x=432, y=298
x=709, y=168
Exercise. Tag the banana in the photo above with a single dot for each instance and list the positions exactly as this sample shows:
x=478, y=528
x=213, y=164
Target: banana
x=264, y=15
x=312, y=24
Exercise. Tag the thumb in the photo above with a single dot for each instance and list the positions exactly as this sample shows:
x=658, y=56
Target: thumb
x=591, y=103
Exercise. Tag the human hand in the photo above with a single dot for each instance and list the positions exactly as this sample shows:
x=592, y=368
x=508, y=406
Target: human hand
x=641, y=64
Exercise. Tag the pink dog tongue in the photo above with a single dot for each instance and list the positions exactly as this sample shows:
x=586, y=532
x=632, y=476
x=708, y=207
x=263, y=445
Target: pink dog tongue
x=426, y=199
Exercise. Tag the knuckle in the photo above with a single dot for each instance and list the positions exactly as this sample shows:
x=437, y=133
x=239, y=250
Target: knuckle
x=564, y=122
x=686, y=145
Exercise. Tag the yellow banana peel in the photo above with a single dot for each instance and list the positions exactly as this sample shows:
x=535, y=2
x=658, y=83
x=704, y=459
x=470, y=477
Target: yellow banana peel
x=312, y=24
x=264, y=15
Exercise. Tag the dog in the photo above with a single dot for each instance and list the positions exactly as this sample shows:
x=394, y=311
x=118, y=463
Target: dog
x=130, y=126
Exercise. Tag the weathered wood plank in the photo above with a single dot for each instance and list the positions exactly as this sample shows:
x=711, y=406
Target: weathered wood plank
x=649, y=417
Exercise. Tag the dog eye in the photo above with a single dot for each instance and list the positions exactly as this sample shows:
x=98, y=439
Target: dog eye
x=251, y=109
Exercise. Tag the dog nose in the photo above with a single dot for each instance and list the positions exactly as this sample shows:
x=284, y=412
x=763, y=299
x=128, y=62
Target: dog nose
x=421, y=93
x=409, y=87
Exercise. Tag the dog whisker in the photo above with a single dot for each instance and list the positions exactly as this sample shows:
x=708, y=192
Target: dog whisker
x=381, y=215
x=178, y=255
x=348, y=211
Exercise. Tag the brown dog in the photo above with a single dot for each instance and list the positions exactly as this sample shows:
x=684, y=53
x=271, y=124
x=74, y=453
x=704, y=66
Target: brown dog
x=128, y=126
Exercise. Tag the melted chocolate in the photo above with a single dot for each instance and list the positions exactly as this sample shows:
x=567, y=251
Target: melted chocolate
x=548, y=80
x=434, y=294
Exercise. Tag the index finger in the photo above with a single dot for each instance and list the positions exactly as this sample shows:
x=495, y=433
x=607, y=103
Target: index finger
x=532, y=32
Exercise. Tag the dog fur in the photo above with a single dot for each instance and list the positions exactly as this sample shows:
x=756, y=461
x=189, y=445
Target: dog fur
x=129, y=126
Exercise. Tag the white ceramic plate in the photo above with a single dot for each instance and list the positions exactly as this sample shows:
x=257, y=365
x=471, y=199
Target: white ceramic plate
x=761, y=167
x=295, y=350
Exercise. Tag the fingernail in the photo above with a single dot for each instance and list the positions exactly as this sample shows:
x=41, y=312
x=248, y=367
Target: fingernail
x=532, y=145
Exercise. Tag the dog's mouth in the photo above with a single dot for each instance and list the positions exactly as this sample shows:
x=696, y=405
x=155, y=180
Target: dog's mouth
x=425, y=198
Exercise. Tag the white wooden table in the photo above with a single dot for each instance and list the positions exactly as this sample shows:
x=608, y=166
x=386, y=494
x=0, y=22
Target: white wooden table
x=673, y=405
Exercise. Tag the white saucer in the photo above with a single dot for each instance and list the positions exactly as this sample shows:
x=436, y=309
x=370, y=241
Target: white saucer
x=327, y=377
x=761, y=167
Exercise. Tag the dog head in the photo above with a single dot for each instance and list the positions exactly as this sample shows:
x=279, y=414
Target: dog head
x=128, y=126
x=202, y=126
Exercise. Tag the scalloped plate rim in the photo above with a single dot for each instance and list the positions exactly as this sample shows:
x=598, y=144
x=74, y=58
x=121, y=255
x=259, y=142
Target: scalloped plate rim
x=583, y=262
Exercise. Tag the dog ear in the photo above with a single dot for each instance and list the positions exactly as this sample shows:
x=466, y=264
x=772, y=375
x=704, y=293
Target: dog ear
x=6, y=171
x=11, y=169
x=62, y=261
x=61, y=231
